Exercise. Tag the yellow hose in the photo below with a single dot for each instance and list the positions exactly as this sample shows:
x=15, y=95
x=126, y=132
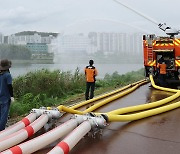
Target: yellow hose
x=145, y=106
x=96, y=106
x=144, y=114
x=161, y=88
x=98, y=98
x=69, y=110
x=106, y=95
x=102, y=96
x=112, y=117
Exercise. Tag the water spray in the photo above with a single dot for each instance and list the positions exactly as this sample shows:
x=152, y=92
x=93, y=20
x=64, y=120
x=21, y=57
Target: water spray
x=168, y=30
x=102, y=19
x=137, y=12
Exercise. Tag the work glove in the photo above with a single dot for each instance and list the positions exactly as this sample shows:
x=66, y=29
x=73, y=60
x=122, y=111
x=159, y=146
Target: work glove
x=12, y=99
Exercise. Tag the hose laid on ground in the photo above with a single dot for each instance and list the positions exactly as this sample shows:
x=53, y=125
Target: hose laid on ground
x=161, y=88
x=96, y=106
x=150, y=105
x=95, y=98
x=102, y=96
x=43, y=140
x=106, y=95
x=72, y=139
x=99, y=97
x=144, y=114
x=145, y=106
x=23, y=134
x=141, y=115
x=19, y=125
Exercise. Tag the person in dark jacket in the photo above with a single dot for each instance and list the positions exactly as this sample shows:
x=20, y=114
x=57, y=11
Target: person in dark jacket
x=90, y=73
x=6, y=92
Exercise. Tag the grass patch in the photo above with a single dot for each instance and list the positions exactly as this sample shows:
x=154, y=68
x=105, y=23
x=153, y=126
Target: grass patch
x=52, y=88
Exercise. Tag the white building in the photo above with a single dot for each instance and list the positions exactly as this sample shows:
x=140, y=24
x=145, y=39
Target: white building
x=73, y=43
x=33, y=37
x=116, y=43
x=24, y=38
x=101, y=42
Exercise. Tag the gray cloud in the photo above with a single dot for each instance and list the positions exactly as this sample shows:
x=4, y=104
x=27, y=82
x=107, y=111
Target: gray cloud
x=58, y=15
x=19, y=16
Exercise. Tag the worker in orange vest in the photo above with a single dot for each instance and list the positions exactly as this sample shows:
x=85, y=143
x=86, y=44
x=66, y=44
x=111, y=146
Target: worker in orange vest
x=90, y=73
x=162, y=73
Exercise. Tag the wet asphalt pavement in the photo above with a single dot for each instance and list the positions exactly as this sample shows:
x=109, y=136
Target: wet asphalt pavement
x=158, y=134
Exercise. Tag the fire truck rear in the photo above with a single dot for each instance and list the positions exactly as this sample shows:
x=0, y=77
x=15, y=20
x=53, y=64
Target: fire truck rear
x=156, y=48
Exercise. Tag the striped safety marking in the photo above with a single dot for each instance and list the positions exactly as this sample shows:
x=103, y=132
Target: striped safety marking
x=152, y=63
x=16, y=150
x=177, y=62
x=64, y=146
x=26, y=121
x=29, y=130
x=176, y=42
x=164, y=44
x=145, y=43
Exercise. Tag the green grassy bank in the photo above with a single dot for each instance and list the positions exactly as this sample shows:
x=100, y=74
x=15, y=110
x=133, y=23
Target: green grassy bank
x=52, y=88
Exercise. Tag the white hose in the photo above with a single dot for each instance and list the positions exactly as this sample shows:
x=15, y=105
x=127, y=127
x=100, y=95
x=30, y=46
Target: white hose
x=72, y=139
x=44, y=139
x=19, y=125
x=23, y=134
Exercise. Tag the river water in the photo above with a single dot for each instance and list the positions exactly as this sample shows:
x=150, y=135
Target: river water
x=21, y=69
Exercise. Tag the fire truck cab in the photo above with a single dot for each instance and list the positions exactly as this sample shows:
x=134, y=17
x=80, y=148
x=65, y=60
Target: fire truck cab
x=156, y=48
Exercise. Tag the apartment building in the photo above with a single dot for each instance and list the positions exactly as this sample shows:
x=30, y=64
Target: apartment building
x=116, y=43
x=75, y=43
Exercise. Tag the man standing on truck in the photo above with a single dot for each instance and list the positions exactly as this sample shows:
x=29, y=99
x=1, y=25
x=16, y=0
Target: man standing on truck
x=162, y=72
x=90, y=73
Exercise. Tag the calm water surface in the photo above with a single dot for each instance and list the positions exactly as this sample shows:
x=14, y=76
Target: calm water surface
x=21, y=69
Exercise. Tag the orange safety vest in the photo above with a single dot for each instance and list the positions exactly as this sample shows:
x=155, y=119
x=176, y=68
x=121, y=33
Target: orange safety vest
x=90, y=72
x=162, y=68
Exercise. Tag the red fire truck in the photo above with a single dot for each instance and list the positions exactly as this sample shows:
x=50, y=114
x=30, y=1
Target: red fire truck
x=167, y=48
x=155, y=48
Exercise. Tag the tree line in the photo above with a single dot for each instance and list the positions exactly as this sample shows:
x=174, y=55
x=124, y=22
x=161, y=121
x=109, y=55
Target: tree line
x=14, y=52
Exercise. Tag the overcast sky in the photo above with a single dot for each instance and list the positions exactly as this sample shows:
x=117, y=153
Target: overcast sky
x=86, y=15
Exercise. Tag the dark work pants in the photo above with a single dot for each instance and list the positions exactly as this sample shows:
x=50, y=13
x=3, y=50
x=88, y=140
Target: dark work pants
x=162, y=80
x=4, y=110
x=89, y=87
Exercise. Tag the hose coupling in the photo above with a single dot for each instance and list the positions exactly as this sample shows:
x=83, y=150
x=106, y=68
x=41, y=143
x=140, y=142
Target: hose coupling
x=96, y=121
x=53, y=113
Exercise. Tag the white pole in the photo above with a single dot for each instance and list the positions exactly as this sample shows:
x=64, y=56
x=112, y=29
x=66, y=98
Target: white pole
x=72, y=139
